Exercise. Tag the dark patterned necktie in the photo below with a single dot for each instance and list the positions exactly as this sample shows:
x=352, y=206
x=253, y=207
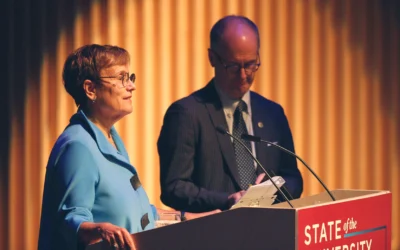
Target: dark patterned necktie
x=244, y=161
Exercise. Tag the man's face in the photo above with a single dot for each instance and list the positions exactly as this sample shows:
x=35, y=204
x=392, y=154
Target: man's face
x=235, y=61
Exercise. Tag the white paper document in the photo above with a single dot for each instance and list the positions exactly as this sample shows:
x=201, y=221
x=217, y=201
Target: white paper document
x=260, y=195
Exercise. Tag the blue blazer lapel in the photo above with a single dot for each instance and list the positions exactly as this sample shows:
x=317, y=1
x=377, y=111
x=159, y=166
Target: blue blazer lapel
x=213, y=105
x=119, y=156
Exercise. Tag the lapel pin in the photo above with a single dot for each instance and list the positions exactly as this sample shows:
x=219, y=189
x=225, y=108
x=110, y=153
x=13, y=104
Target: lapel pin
x=260, y=124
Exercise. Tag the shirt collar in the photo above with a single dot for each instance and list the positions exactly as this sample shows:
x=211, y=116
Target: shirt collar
x=231, y=104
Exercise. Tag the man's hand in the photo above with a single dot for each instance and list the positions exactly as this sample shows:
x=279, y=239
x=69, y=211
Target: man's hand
x=260, y=178
x=235, y=197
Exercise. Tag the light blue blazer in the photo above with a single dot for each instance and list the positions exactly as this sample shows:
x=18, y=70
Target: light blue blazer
x=87, y=179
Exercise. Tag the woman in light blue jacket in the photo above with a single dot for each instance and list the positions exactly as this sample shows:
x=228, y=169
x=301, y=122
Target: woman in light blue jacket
x=92, y=192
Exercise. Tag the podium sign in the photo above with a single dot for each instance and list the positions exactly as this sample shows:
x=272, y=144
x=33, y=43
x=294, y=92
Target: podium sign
x=363, y=223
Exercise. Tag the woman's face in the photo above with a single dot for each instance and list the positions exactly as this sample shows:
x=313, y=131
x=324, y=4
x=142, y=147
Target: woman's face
x=113, y=96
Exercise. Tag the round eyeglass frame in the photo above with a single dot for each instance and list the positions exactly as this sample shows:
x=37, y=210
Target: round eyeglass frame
x=235, y=68
x=123, y=77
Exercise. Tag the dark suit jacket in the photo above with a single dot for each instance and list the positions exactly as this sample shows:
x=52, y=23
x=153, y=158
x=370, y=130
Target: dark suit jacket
x=198, y=167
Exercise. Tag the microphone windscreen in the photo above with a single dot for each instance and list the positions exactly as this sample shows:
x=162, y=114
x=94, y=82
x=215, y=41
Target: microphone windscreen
x=221, y=129
x=248, y=137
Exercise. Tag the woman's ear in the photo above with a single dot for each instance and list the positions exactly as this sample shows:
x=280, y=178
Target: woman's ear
x=90, y=89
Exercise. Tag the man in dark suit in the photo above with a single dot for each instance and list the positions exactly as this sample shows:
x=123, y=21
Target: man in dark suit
x=203, y=170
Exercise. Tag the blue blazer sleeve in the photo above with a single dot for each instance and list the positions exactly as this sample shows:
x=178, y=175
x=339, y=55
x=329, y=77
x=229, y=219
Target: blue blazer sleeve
x=75, y=176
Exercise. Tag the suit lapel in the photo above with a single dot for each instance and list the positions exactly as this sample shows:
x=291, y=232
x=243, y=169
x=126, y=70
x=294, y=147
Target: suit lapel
x=120, y=156
x=261, y=128
x=213, y=105
x=258, y=123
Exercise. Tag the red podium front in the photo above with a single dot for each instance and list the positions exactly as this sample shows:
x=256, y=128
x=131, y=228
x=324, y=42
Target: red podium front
x=357, y=220
x=361, y=222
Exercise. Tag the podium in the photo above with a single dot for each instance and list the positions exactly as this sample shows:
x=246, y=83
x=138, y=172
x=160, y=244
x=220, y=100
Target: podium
x=357, y=220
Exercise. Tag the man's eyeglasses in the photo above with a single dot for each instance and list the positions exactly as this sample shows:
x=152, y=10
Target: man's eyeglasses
x=124, y=78
x=234, y=68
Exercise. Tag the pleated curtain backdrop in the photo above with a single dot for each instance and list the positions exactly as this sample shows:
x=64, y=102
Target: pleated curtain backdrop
x=333, y=65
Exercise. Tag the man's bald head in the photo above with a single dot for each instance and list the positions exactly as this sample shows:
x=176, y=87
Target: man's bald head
x=232, y=27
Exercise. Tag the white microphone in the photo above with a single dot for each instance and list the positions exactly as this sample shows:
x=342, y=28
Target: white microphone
x=224, y=131
x=247, y=137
